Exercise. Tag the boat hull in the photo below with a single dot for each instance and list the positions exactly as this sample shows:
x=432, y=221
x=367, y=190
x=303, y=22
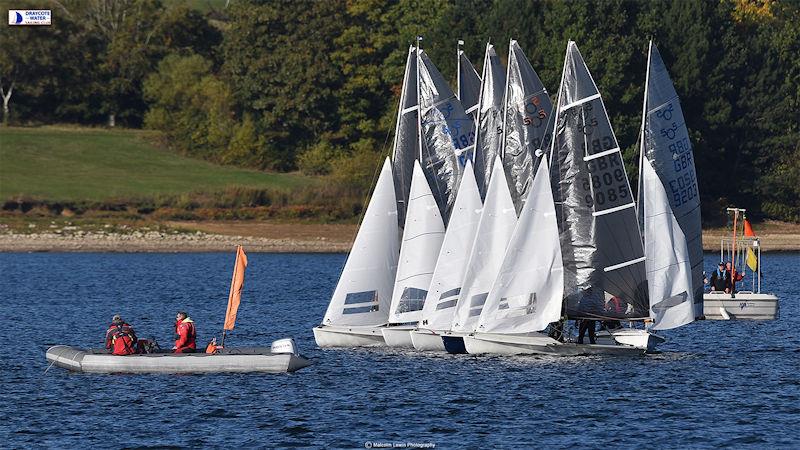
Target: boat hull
x=255, y=359
x=454, y=343
x=740, y=306
x=427, y=341
x=633, y=337
x=539, y=344
x=398, y=336
x=337, y=336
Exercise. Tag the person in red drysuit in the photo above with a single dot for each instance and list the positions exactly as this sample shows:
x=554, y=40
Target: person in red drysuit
x=120, y=337
x=185, y=334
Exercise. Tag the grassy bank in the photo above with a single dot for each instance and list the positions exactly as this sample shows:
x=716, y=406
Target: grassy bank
x=80, y=164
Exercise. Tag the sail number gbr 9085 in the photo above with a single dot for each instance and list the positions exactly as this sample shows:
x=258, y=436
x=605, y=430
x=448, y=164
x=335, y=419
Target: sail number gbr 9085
x=606, y=185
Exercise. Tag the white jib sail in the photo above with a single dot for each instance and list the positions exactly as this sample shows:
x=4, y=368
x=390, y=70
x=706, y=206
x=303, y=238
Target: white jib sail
x=364, y=291
x=491, y=239
x=669, y=270
x=448, y=276
x=422, y=240
x=529, y=289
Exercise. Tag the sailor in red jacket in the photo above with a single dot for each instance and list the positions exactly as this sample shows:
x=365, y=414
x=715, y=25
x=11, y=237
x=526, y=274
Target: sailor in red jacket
x=185, y=334
x=120, y=337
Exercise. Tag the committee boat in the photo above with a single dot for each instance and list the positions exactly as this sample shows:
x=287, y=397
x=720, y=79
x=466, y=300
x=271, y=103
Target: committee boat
x=745, y=302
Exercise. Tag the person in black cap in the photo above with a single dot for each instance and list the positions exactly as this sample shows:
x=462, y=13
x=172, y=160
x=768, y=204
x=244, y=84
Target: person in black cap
x=720, y=279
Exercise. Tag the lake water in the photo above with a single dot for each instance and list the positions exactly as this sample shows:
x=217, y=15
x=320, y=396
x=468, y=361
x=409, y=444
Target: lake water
x=714, y=383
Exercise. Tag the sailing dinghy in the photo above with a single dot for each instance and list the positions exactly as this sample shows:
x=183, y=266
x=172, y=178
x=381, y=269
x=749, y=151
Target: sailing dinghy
x=360, y=303
x=422, y=240
x=281, y=356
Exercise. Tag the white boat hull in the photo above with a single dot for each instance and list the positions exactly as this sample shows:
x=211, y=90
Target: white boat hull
x=338, y=336
x=618, y=342
x=740, y=306
x=427, y=341
x=398, y=336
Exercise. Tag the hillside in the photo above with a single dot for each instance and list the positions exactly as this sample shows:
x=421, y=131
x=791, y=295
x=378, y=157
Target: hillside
x=85, y=164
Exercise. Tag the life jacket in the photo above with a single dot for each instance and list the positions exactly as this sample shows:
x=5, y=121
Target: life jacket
x=123, y=340
x=186, y=335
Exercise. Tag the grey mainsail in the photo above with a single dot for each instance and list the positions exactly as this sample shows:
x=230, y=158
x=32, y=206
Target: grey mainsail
x=604, y=264
x=446, y=134
x=666, y=145
x=489, y=124
x=406, y=140
x=527, y=114
x=469, y=84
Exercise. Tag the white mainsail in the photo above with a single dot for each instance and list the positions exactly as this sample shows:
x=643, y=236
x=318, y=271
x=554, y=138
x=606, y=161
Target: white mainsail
x=468, y=83
x=446, y=134
x=364, y=291
x=529, y=289
x=601, y=244
x=422, y=240
x=406, y=138
x=669, y=271
x=527, y=114
x=448, y=276
x=489, y=123
x=667, y=147
x=495, y=228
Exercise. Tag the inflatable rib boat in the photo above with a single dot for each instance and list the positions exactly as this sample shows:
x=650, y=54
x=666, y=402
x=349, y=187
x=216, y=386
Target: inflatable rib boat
x=245, y=359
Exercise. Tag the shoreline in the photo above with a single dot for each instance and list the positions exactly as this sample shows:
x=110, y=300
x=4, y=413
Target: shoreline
x=184, y=237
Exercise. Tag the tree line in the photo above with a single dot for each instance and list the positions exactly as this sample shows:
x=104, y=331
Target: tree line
x=314, y=85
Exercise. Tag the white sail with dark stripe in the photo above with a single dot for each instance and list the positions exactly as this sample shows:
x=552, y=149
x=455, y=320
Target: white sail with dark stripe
x=529, y=289
x=527, y=115
x=604, y=263
x=406, y=137
x=495, y=228
x=422, y=239
x=448, y=276
x=446, y=134
x=668, y=149
x=364, y=291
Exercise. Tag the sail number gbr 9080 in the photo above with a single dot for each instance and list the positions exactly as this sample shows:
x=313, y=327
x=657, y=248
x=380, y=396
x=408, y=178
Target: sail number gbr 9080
x=606, y=185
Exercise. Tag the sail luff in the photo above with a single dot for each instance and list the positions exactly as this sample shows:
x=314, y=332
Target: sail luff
x=640, y=186
x=504, y=141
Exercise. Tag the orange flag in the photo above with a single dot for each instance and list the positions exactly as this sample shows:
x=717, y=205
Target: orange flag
x=748, y=230
x=237, y=282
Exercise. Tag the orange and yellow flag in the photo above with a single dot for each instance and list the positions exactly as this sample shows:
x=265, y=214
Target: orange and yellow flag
x=752, y=261
x=237, y=282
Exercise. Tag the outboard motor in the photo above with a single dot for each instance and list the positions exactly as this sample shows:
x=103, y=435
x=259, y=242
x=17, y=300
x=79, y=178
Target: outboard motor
x=285, y=345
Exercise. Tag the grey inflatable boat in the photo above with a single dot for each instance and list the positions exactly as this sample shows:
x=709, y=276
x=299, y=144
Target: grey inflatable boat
x=245, y=359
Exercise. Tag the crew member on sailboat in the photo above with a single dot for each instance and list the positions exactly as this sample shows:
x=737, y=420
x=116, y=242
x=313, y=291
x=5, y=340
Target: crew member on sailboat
x=185, y=334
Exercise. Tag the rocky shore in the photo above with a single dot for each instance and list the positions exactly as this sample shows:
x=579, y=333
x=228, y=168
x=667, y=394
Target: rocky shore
x=255, y=237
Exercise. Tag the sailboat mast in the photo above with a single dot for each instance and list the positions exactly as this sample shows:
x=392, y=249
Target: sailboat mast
x=505, y=101
x=555, y=132
x=480, y=98
x=419, y=105
x=640, y=189
x=458, y=69
x=401, y=105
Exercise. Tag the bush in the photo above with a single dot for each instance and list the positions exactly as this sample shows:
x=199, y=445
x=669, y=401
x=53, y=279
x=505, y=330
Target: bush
x=317, y=159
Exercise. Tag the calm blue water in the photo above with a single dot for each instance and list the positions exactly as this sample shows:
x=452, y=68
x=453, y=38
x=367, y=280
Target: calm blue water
x=715, y=384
